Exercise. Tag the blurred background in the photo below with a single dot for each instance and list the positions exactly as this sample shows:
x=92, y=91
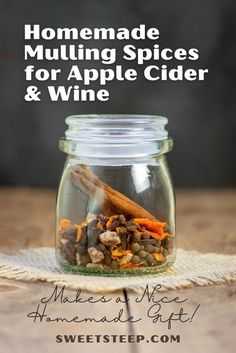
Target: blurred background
x=201, y=114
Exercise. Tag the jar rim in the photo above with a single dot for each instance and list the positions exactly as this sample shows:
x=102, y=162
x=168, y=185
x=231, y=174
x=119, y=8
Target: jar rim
x=115, y=135
x=116, y=128
x=138, y=118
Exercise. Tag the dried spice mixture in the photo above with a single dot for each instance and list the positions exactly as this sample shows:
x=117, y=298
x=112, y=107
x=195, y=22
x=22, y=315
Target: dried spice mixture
x=114, y=242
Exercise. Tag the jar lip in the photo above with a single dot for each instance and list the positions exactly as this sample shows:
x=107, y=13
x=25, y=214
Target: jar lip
x=116, y=128
x=135, y=118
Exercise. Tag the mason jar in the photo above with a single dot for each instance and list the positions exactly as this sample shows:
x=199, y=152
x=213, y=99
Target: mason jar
x=115, y=204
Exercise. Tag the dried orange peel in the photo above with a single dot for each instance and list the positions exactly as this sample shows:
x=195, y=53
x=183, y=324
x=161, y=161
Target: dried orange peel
x=158, y=256
x=79, y=232
x=64, y=223
x=99, y=226
x=154, y=228
x=138, y=233
x=119, y=252
x=158, y=236
x=110, y=221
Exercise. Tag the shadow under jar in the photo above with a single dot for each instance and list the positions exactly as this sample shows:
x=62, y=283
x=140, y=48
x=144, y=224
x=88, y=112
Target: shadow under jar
x=115, y=205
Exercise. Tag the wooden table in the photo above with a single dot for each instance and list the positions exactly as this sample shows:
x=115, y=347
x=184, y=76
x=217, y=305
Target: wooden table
x=205, y=221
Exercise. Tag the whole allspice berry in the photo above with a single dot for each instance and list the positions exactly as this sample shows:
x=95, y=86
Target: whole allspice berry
x=135, y=259
x=142, y=254
x=135, y=247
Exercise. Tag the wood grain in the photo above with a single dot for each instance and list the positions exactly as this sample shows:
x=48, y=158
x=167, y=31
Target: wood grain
x=205, y=221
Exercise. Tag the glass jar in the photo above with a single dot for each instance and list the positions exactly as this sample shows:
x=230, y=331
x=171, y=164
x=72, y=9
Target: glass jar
x=115, y=205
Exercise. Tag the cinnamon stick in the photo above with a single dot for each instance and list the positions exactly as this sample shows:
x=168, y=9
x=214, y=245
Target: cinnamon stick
x=110, y=200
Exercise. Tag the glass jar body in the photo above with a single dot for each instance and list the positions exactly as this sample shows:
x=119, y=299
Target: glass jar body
x=116, y=218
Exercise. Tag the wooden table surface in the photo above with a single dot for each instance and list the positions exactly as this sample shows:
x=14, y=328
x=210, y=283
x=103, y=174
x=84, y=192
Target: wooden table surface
x=205, y=222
